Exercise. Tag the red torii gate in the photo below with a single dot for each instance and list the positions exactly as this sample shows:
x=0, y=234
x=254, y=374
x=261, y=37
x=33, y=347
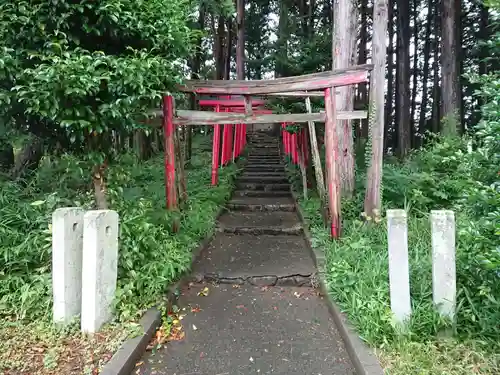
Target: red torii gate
x=300, y=86
x=231, y=148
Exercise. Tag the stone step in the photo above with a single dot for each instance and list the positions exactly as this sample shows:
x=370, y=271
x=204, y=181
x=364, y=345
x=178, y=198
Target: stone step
x=263, y=174
x=263, y=186
x=265, y=161
x=268, y=155
x=295, y=230
x=270, y=152
x=258, y=178
x=251, y=259
x=245, y=206
x=264, y=171
x=261, y=193
x=265, y=166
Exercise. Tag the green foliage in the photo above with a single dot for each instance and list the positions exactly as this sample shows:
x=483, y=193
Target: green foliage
x=88, y=66
x=461, y=174
x=150, y=255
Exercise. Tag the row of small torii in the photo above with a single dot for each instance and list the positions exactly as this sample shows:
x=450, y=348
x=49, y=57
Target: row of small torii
x=228, y=111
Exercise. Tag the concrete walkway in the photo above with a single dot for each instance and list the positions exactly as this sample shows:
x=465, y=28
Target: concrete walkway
x=252, y=307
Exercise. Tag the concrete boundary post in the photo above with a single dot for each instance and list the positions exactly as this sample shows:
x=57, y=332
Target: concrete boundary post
x=399, y=277
x=100, y=268
x=67, y=245
x=444, y=289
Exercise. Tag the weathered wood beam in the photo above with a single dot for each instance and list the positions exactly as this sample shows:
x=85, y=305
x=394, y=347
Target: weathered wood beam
x=210, y=118
x=255, y=99
x=269, y=87
x=278, y=81
x=229, y=102
x=299, y=94
x=191, y=118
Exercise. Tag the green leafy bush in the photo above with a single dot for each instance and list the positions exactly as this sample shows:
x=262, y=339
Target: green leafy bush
x=69, y=68
x=150, y=255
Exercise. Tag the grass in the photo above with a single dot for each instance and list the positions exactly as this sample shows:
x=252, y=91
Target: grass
x=357, y=277
x=150, y=255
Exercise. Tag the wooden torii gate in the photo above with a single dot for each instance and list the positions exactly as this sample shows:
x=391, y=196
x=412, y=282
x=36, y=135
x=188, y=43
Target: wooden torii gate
x=317, y=84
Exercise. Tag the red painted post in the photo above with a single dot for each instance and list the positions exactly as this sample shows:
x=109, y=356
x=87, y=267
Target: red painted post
x=230, y=144
x=215, y=151
x=244, y=136
x=300, y=147
x=331, y=150
x=235, y=142
x=285, y=139
x=225, y=144
x=289, y=142
x=241, y=145
x=168, y=131
x=282, y=138
x=294, y=149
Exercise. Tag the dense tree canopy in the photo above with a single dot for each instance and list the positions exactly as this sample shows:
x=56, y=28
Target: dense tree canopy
x=88, y=66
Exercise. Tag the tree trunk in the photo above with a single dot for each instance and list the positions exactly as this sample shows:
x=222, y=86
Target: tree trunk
x=219, y=59
x=343, y=50
x=282, y=43
x=6, y=156
x=403, y=80
x=390, y=79
x=143, y=145
x=425, y=69
x=240, y=47
x=413, y=106
x=229, y=49
x=362, y=59
x=28, y=159
x=373, y=198
x=436, y=91
x=450, y=98
x=195, y=74
x=100, y=186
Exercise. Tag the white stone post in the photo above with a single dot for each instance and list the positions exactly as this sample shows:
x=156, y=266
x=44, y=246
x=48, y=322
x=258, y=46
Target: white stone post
x=100, y=268
x=67, y=245
x=444, y=289
x=399, y=273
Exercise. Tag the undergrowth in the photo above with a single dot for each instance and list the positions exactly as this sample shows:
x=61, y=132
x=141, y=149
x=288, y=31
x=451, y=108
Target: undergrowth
x=444, y=175
x=150, y=255
x=460, y=174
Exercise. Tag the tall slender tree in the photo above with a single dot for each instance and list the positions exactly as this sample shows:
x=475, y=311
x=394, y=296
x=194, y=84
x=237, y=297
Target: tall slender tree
x=373, y=199
x=240, y=48
x=343, y=50
x=403, y=78
x=450, y=68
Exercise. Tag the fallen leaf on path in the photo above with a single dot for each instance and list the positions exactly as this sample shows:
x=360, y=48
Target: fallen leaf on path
x=204, y=292
x=195, y=309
